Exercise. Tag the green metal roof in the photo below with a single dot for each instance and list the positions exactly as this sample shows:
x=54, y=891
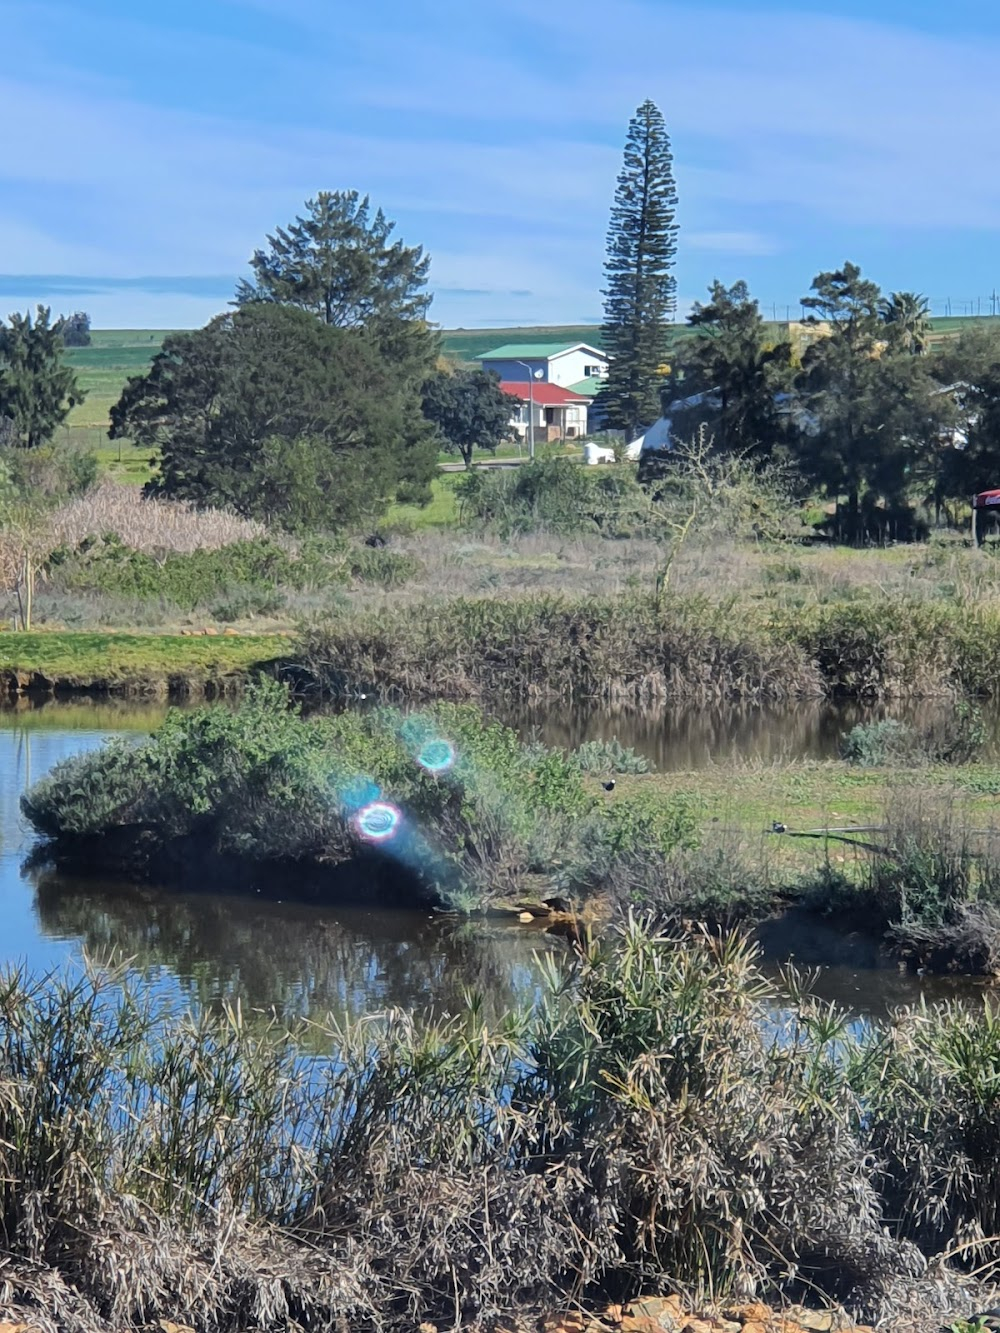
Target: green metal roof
x=588, y=387
x=528, y=351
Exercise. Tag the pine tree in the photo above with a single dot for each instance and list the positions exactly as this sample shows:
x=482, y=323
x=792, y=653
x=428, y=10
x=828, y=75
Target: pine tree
x=37, y=387
x=641, y=294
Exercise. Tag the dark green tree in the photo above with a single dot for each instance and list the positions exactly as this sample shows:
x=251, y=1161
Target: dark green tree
x=75, y=329
x=874, y=412
x=37, y=387
x=640, y=296
x=969, y=375
x=282, y=417
x=341, y=264
x=733, y=355
x=469, y=410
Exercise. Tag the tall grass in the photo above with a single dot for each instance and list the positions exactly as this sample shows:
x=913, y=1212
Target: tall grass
x=629, y=648
x=650, y=1125
x=146, y=524
x=642, y=649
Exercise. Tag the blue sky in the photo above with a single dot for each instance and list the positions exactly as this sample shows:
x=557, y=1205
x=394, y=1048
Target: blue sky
x=146, y=150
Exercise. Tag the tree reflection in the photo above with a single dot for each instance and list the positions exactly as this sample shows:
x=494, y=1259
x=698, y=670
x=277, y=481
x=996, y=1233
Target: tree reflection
x=298, y=959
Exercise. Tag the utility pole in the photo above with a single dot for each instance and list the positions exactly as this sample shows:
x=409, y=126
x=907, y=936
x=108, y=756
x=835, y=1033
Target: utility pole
x=532, y=376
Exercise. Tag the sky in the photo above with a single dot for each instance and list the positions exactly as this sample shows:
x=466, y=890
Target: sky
x=147, y=150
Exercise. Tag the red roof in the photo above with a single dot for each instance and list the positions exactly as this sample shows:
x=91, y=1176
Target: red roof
x=543, y=393
x=985, y=499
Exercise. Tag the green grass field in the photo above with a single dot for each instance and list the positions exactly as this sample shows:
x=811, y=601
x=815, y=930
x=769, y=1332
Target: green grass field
x=442, y=512
x=78, y=657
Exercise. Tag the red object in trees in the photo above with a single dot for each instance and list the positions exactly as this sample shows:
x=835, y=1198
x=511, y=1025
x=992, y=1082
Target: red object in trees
x=986, y=499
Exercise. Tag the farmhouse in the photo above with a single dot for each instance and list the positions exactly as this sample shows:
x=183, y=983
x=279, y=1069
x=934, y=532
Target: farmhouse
x=564, y=379
x=559, y=414
x=572, y=365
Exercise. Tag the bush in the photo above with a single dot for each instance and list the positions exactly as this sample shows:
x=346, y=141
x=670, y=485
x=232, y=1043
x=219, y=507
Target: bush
x=242, y=579
x=872, y=744
x=558, y=496
x=953, y=739
x=50, y=473
x=388, y=569
x=609, y=757
x=248, y=602
x=454, y=808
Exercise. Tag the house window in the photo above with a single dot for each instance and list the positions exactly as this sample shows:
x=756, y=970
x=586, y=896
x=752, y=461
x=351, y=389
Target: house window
x=591, y=371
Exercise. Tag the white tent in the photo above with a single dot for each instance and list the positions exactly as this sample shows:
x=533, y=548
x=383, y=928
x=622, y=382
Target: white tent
x=658, y=439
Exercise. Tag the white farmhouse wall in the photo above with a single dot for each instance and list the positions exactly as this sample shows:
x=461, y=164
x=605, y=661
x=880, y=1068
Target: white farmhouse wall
x=570, y=368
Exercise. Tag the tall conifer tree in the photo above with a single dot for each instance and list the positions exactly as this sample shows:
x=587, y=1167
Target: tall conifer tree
x=641, y=293
x=37, y=386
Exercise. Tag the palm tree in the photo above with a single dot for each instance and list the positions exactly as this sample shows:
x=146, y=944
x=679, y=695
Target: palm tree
x=908, y=318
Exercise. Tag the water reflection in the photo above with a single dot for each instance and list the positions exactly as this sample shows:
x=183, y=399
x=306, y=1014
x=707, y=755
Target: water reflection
x=304, y=959
x=295, y=958
x=688, y=738
x=850, y=969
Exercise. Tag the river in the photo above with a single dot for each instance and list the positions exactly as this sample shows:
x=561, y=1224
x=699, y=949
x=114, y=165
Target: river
x=207, y=946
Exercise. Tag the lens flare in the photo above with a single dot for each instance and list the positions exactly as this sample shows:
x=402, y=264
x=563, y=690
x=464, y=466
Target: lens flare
x=378, y=822
x=436, y=756
x=359, y=793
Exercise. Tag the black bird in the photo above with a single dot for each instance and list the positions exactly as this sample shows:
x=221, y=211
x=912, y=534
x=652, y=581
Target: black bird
x=609, y=785
x=778, y=827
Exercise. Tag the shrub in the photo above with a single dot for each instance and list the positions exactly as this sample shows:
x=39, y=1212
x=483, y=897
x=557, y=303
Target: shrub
x=609, y=757
x=558, y=496
x=953, y=739
x=872, y=744
x=452, y=804
x=242, y=579
x=388, y=569
x=247, y=602
x=50, y=473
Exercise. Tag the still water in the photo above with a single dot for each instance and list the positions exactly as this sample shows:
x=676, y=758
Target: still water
x=206, y=946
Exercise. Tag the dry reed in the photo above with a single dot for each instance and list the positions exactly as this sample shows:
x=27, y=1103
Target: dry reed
x=147, y=524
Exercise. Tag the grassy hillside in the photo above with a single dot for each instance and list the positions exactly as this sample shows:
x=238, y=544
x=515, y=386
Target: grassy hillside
x=470, y=344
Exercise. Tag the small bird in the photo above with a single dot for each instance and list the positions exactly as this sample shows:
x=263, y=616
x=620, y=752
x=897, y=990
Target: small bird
x=778, y=827
x=609, y=785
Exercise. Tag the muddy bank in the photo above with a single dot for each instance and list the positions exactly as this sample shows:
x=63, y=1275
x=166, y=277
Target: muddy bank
x=173, y=686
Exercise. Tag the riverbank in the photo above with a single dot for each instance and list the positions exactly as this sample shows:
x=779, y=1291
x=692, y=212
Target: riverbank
x=634, y=651
x=641, y=649
x=650, y=1137
x=207, y=664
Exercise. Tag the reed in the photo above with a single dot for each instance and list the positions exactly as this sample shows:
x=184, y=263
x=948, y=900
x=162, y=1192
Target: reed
x=642, y=649
x=664, y=1118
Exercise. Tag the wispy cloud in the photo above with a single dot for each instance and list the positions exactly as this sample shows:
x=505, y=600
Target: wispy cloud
x=492, y=135
x=735, y=243
x=28, y=284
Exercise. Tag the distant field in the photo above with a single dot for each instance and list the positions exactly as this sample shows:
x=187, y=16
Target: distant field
x=470, y=344
x=104, y=366
x=115, y=354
